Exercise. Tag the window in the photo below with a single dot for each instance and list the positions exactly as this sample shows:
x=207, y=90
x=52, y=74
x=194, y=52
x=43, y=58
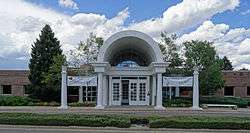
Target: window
x=116, y=91
x=133, y=87
x=27, y=89
x=142, y=92
x=229, y=91
x=248, y=90
x=6, y=89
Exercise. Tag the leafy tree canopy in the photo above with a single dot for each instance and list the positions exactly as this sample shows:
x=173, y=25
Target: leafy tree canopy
x=203, y=55
x=87, y=51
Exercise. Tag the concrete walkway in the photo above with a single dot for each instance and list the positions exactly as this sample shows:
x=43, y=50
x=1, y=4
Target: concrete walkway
x=140, y=111
x=74, y=129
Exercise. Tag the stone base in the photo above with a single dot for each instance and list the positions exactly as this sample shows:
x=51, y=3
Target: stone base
x=196, y=108
x=63, y=107
x=159, y=108
x=99, y=107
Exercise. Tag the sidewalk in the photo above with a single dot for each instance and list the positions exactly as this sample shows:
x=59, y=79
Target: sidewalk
x=139, y=111
x=75, y=129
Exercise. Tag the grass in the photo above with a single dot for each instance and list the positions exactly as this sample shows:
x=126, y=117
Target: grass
x=123, y=121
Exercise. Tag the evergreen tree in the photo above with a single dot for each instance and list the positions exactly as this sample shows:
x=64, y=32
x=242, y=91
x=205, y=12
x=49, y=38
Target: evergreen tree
x=226, y=65
x=43, y=51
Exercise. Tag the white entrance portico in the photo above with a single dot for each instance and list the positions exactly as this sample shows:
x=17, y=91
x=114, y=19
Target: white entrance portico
x=128, y=71
x=128, y=67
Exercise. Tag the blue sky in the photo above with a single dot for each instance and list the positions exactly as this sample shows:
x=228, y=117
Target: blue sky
x=225, y=22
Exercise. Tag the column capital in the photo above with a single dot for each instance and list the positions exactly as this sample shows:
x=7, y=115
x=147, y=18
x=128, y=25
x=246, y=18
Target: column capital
x=100, y=67
x=64, y=69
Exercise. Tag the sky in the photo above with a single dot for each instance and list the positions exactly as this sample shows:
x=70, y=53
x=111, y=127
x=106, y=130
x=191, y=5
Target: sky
x=224, y=22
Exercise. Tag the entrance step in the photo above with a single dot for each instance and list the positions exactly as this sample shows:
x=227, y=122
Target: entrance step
x=130, y=108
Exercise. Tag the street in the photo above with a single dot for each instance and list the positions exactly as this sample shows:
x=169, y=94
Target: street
x=44, y=129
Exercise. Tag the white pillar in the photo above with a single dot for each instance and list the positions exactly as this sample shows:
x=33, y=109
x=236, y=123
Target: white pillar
x=86, y=92
x=99, y=90
x=159, y=93
x=104, y=90
x=64, y=101
x=80, y=94
x=110, y=90
x=153, y=90
x=196, y=90
x=177, y=91
x=170, y=93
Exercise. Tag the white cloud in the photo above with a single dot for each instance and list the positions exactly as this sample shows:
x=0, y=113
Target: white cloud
x=245, y=12
x=234, y=43
x=188, y=13
x=19, y=28
x=68, y=4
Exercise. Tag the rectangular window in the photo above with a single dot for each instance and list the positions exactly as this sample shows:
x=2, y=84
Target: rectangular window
x=229, y=91
x=89, y=93
x=248, y=90
x=6, y=89
x=27, y=89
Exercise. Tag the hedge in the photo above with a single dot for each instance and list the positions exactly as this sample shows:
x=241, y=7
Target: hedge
x=15, y=101
x=64, y=120
x=240, y=102
x=125, y=121
x=201, y=122
x=187, y=102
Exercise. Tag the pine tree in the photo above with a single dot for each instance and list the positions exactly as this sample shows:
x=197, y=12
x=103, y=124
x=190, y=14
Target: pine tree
x=43, y=51
x=226, y=65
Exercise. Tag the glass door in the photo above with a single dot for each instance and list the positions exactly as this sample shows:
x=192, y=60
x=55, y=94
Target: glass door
x=116, y=92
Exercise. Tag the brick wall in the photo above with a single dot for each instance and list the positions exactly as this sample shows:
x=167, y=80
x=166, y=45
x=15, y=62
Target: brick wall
x=239, y=80
x=16, y=78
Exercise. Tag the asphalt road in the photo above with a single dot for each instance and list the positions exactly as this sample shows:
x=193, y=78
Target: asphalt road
x=43, y=129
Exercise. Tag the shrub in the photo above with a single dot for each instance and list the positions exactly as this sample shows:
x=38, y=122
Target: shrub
x=201, y=122
x=63, y=120
x=240, y=102
x=187, y=102
x=84, y=104
x=15, y=101
x=178, y=102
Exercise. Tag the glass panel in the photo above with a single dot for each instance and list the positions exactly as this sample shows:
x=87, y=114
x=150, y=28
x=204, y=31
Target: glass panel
x=142, y=92
x=133, y=91
x=116, y=91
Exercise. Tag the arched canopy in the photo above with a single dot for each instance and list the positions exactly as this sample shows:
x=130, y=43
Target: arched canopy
x=130, y=45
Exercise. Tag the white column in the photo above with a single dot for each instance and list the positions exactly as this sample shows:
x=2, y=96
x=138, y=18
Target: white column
x=86, y=92
x=99, y=90
x=153, y=90
x=64, y=101
x=170, y=93
x=104, y=90
x=80, y=94
x=110, y=90
x=196, y=91
x=159, y=93
x=177, y=91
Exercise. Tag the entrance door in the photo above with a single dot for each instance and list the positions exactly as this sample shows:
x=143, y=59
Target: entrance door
x=133, y=94
x=143, y=98
x=116, y=91
x=125, y=91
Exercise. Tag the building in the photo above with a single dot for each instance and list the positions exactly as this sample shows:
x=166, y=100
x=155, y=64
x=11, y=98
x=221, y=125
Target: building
x=14, y=82
x=237, y=84
x=128, y=70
